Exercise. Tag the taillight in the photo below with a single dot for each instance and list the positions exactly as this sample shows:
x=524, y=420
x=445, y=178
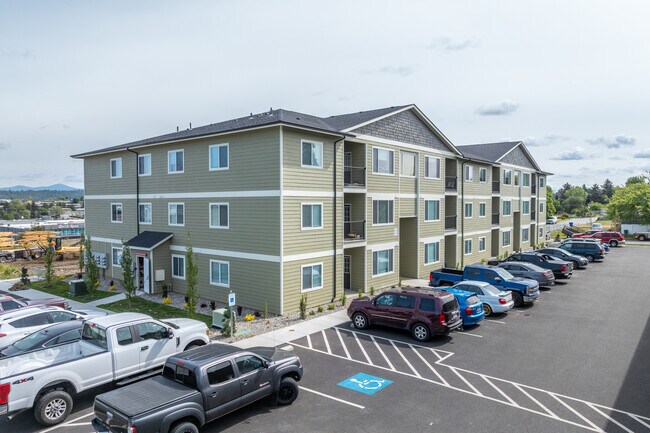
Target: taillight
x=131, y=429
x=469, y=311
x=4, y=393
x=430, y=276
x=502, y=301
x=2, y=335
x=563, y=268
x=441, y=319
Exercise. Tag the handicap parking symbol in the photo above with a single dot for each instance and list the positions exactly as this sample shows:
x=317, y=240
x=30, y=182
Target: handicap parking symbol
x=365, y=383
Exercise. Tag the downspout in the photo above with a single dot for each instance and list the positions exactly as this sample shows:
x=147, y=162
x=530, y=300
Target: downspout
x=334, y=236
x=462, y=215
x=137, y=191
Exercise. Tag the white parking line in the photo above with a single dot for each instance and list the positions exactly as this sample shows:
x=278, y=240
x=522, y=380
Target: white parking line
x=332, y=398
x=610, y=418
x=390, y=364
x=309, y=341
x=536, y=401
x=327, y=343
x=468, y=333
x=494, y=321
x=342, y=343
x=362, y=349
x=67, y=423
x=404, y=359
x=76, y=424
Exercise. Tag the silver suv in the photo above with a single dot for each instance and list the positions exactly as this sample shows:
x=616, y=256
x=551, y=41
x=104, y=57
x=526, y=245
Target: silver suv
x=16, y=324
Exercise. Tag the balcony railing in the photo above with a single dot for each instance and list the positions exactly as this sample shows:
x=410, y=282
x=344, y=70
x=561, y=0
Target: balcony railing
x=450, y=183
x=495, y=219
x=450, y=222
x=496, y=186
x=354, y=231
x=354, y=177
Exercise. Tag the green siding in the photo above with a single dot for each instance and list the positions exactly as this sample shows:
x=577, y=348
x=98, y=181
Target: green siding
x=293, y=278
x=408, y=245
x=383, y=281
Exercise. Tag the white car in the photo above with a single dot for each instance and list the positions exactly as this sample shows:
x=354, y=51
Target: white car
x=20, y=322
x=494, y=299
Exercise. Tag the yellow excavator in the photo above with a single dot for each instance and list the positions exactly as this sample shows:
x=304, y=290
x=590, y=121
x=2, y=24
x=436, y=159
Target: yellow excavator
x=30, y=244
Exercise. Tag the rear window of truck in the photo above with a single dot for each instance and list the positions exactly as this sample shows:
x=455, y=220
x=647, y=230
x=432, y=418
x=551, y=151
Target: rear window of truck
x=180, y=374
x=94, y=335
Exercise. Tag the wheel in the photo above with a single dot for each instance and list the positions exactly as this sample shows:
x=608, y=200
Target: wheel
x=36, y=256
x=185, y=427
x=613, y=243
x=360, y=320
x=642, y=238
x=590, y=258
x=192, y=346
x=576, y=265
x=420, y=332
x=518, y=298
x=53, y=408
x=487, y=309
x=3, y=259
x=288, y=391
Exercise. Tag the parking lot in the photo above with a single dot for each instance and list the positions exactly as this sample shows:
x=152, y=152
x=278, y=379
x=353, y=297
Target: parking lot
x=577, y=360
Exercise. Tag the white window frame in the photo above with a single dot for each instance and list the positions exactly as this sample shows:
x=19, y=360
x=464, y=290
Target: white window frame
x=227, y=205
x=482, y=239
x=503, y=212
x=179, y=256
x=415, y=164
x=468, y=173
x=525, y=230
x=482, y=205
x=541, y=182
x=525, y=176
x=471, y=247
x=392, y=214
x=311, y=289
x=427, y=173
x=523, y=211
x=169, y=165
x=425, y=253
x=482, y=170
x=541, y=207
x=392, y=262
x=516, y=178
x=507, y=177
x=150, y=213
x=426, y=208
x=121, y=213
x=219, y=146
x=118, y=164
x=392, y=161
x=318, y=144
x=541, y=232
x=169, y=213
x=219, y=263
x=471, y=210
x=503, y=244
x=302, y=223
x=119, y=255
x=144, y=156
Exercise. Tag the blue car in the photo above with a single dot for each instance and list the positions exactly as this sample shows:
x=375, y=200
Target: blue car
x=471, y=307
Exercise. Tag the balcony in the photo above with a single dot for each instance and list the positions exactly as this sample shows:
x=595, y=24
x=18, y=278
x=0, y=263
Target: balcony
x=354, y=177
x=450, y=222
x=496, y=186
x=533, y=188
x=495, y=219
x=451, y=183
x=533, y=216
x=354, y=231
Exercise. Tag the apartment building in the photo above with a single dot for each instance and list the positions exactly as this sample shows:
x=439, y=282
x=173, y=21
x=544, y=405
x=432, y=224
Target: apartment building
x=281, y=204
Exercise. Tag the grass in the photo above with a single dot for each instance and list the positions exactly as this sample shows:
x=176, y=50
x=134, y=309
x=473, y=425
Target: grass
x=8, y=272
x=153, y=309
x=62, y=289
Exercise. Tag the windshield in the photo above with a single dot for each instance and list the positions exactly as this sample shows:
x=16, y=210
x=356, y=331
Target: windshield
x=472, y=300
x=505, y=275
x=31, y=341
x=489, y=288
x=94, y=335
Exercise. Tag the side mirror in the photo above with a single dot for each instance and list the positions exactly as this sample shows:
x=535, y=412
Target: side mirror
x=266, y=364
x=170, y=333
x=497, y=279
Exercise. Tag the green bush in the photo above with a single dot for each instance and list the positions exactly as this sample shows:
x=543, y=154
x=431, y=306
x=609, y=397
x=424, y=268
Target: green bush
x=331, y=307
x=344, y=299
x=372, y=291
x=312, y=312
x=303, y=307
x=320, y=308
x=360, y=293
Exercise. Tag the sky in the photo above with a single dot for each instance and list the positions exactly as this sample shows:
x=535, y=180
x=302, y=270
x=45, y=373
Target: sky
x=568, y=78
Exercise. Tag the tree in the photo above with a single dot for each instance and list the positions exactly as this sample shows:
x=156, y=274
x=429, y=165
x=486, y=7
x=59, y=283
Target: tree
x=81, y=263
x=128, y=279
x=631, y=203
x=551, y=203
x=191, y=277
x=608, y=188
x=56, y=211
x=636, y=179
x=48, y=258
x=560, y=192
x=92, y=270
x=595, y=194
x=574, y=200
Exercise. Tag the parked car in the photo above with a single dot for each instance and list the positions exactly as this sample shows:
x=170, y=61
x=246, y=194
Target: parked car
x=560, y=268
x=199, y=386
x=614, y=239
x=8, y=303
x=590, y=250
x=597, y=226
x=586, y=234
x=423, y=312
x=604, y=246
x=544, y=277
x=471, y=307
x=579, y=262
x=642, y=236
x=18, y=323
x=50, y=336
x=494, y=299
x=551, y=220
x=7, y=256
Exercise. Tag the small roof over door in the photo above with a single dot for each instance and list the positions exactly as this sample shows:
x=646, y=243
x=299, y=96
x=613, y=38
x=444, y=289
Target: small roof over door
x=149, y=240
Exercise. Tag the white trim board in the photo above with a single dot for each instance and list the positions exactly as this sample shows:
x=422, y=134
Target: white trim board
x=234, y=254
x=417, y=147
x=310, y=256
x=383, y=246
x=432, y=239
x=216, y=194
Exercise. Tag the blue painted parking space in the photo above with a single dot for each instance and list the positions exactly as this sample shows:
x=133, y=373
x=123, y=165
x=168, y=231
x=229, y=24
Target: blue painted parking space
x=365, y=383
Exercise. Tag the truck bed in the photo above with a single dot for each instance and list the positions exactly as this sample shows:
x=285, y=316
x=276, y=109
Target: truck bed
x=450, y=271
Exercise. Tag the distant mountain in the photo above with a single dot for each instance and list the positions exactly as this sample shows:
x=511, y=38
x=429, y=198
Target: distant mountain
x=55, y=187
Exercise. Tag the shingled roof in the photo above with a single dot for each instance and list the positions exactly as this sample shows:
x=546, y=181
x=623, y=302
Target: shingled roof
x=342, y=122
x=491, y=152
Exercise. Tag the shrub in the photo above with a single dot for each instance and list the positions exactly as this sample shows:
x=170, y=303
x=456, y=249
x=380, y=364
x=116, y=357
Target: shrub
x=360, y=293
x=165, y=291
x=7, y=272
x=213, y=305
x=372, y=290
x=312, y=313
x=226, y=328
x=320, y=308
x=167, y=300
x=344, y=299
x=303, y=307
x=186, y=305
x=249, y=317
x=265, y=311
x=331, y=307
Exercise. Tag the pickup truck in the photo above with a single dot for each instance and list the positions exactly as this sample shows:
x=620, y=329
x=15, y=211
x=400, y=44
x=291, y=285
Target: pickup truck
x=524, y=291
x=560, y=268
x=9, y=303
x=199, y=386
x=119, y=348
x=642, y=236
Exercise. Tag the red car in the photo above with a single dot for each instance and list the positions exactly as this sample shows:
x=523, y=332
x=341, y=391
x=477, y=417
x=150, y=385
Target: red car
x=423, y=312
x=8, y=303
x=612, y=238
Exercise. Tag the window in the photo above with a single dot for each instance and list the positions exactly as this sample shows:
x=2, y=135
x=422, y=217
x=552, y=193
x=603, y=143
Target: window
x=9, y=305
x=116, y=168
x=175, y=161
x=312, y=154
x=541, y=232
x=507, y=177
x=541, y=207
x=151, y=331
x=525, y=181
x=219, y=157
x=124, y=336
x=176, y=214
x=387, y=300
x=382, y=211
x=481, y=210
x=427, y=304
x=116, y=212
x=382, y=262
x=431, y=167
x=312, y=216
x=431, y=253
x=517, y=174
x=468, y=246
x=219, y=273
x=505, y=238
x=312, y=277
x=382, y=161
x=116, y=257
x=61, y=316
x=469, y=173
x=405, y=301
x=144, y=213
x=248, y=363
x=507, y=206
x=469, y=210
x=525, y=235
x=525, y=207
x=144, y=165
x=408, y=162
x=541, y=182
x=66, y=337
x=178, y=267
x=432, y=210
x=219, y=215
x=220, y=373
x=482, y=174
x=481, y=244
x=39, y=319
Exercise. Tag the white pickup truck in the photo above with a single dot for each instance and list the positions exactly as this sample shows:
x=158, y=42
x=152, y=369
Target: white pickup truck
x=119, y=348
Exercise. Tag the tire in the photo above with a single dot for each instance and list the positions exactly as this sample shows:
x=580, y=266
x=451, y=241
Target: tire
x=185, y=427
x=613, y=243
x=3, y=259
x=590, y=258
x=518, y=298
x=53, y=407
x=576, y=265
x=192, y=346
x=487, y=309
x=360, y=320
x=287, y=391
x=642, y=238
x=36, y=256
x=420, y=332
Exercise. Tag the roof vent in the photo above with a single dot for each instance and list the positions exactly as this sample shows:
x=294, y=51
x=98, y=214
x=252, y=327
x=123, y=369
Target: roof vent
x=298, y=118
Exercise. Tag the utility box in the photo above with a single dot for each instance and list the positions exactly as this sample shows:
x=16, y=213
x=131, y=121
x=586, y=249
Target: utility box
x=217, y=317
x=77, y=287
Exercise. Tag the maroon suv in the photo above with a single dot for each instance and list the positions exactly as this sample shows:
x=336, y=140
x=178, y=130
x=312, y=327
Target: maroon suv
x=612, y=238
x=421, y=311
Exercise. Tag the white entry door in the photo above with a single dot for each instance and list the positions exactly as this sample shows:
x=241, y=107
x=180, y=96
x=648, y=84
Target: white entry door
x=147, y=276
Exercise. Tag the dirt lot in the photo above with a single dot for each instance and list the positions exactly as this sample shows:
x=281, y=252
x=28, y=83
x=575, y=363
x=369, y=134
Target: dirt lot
x=64, y=264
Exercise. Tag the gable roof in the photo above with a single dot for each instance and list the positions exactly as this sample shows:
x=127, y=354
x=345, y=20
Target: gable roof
x=495, y=152
x=348, y=121
x=149, y=240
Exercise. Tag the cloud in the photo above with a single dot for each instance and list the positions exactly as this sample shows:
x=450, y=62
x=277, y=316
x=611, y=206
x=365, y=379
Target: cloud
x=574, y=154
x=449, y=44
x=66, y=126
x=30, y=176
x=73, y=178
x=4, y=145
x=21, y=54
x=614, y=142
x=532, y=141
x=402, y=71
x=643, y=154
x=502, y=108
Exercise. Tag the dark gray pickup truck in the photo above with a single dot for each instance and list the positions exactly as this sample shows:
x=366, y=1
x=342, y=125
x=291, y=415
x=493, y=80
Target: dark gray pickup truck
x=198, y=386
